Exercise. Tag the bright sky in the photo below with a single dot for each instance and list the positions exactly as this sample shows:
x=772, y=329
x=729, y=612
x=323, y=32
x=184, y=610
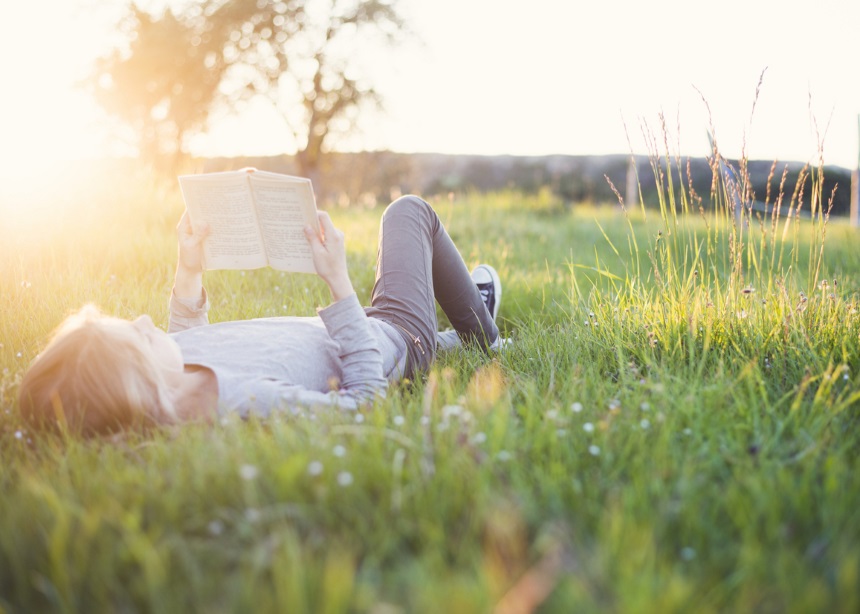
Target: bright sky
x=505, y=77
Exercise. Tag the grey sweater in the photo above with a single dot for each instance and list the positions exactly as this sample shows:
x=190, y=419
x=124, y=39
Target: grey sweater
x=342, y=358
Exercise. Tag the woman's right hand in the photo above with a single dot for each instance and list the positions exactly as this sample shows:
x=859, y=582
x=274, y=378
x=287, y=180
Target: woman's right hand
x=328, y=249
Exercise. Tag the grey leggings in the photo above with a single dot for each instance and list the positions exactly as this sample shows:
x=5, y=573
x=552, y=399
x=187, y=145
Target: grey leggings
x=418, y=264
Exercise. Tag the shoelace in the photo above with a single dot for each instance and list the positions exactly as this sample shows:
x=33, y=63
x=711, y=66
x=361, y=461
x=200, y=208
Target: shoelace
x=485, y=296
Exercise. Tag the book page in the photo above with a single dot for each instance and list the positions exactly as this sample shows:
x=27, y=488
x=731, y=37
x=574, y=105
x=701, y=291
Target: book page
x=285, y=205
x=224, y=201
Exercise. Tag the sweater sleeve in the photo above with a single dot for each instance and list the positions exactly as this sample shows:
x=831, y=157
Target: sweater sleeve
x=186, y=313
x=361, y=359
x=361, y=374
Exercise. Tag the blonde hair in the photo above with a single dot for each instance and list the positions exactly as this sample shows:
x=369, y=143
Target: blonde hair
x=96, y=376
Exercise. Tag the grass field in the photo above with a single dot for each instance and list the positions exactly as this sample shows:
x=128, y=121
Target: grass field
x=674, y=429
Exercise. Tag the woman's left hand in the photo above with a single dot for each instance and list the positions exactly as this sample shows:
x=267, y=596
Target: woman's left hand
x=188, y=282
x=191, y=244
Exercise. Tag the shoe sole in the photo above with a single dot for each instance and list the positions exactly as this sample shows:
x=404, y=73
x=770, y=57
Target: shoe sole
x=497, y=285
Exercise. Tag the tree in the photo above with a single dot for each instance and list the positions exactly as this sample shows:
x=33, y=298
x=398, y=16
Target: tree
x=321, y=88
x=162, y=84
x=302, y=55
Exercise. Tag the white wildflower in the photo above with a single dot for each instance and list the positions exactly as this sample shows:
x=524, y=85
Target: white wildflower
x=315, y=468
x=449, y=411
x=248, y=472
x=344, y=478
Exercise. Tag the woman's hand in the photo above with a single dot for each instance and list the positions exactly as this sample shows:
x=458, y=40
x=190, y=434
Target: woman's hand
x=328, y=249
x=189, y=267
x=191, y=244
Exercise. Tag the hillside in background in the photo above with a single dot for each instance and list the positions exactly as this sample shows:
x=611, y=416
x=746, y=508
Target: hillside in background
x=372, y=177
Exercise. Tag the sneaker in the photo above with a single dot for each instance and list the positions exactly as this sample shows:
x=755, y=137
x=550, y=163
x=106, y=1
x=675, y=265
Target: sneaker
x=490, y=287
x=501, y=343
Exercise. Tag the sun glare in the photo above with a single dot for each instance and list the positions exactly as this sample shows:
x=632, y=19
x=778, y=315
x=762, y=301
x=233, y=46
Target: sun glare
x=47, y=120
x=38, y=148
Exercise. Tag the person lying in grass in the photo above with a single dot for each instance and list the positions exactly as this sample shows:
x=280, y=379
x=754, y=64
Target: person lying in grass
x=100, y=375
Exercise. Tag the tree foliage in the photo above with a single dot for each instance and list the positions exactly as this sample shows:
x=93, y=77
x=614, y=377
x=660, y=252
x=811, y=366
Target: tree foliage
x=301, y=55
x=163, y=83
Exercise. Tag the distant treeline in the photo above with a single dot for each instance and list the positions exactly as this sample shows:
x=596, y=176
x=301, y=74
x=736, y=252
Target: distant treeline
x=369, y=178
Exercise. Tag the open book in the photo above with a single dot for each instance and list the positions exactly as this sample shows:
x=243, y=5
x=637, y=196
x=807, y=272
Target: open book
x=255, y=218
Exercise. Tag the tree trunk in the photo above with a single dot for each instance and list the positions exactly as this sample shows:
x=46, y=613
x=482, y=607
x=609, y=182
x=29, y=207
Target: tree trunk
x=309, y=167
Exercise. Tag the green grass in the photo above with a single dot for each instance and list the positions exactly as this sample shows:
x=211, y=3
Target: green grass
x=656, y=439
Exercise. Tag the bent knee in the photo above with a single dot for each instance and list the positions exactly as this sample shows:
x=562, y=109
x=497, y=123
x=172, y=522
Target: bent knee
x=408, y=205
